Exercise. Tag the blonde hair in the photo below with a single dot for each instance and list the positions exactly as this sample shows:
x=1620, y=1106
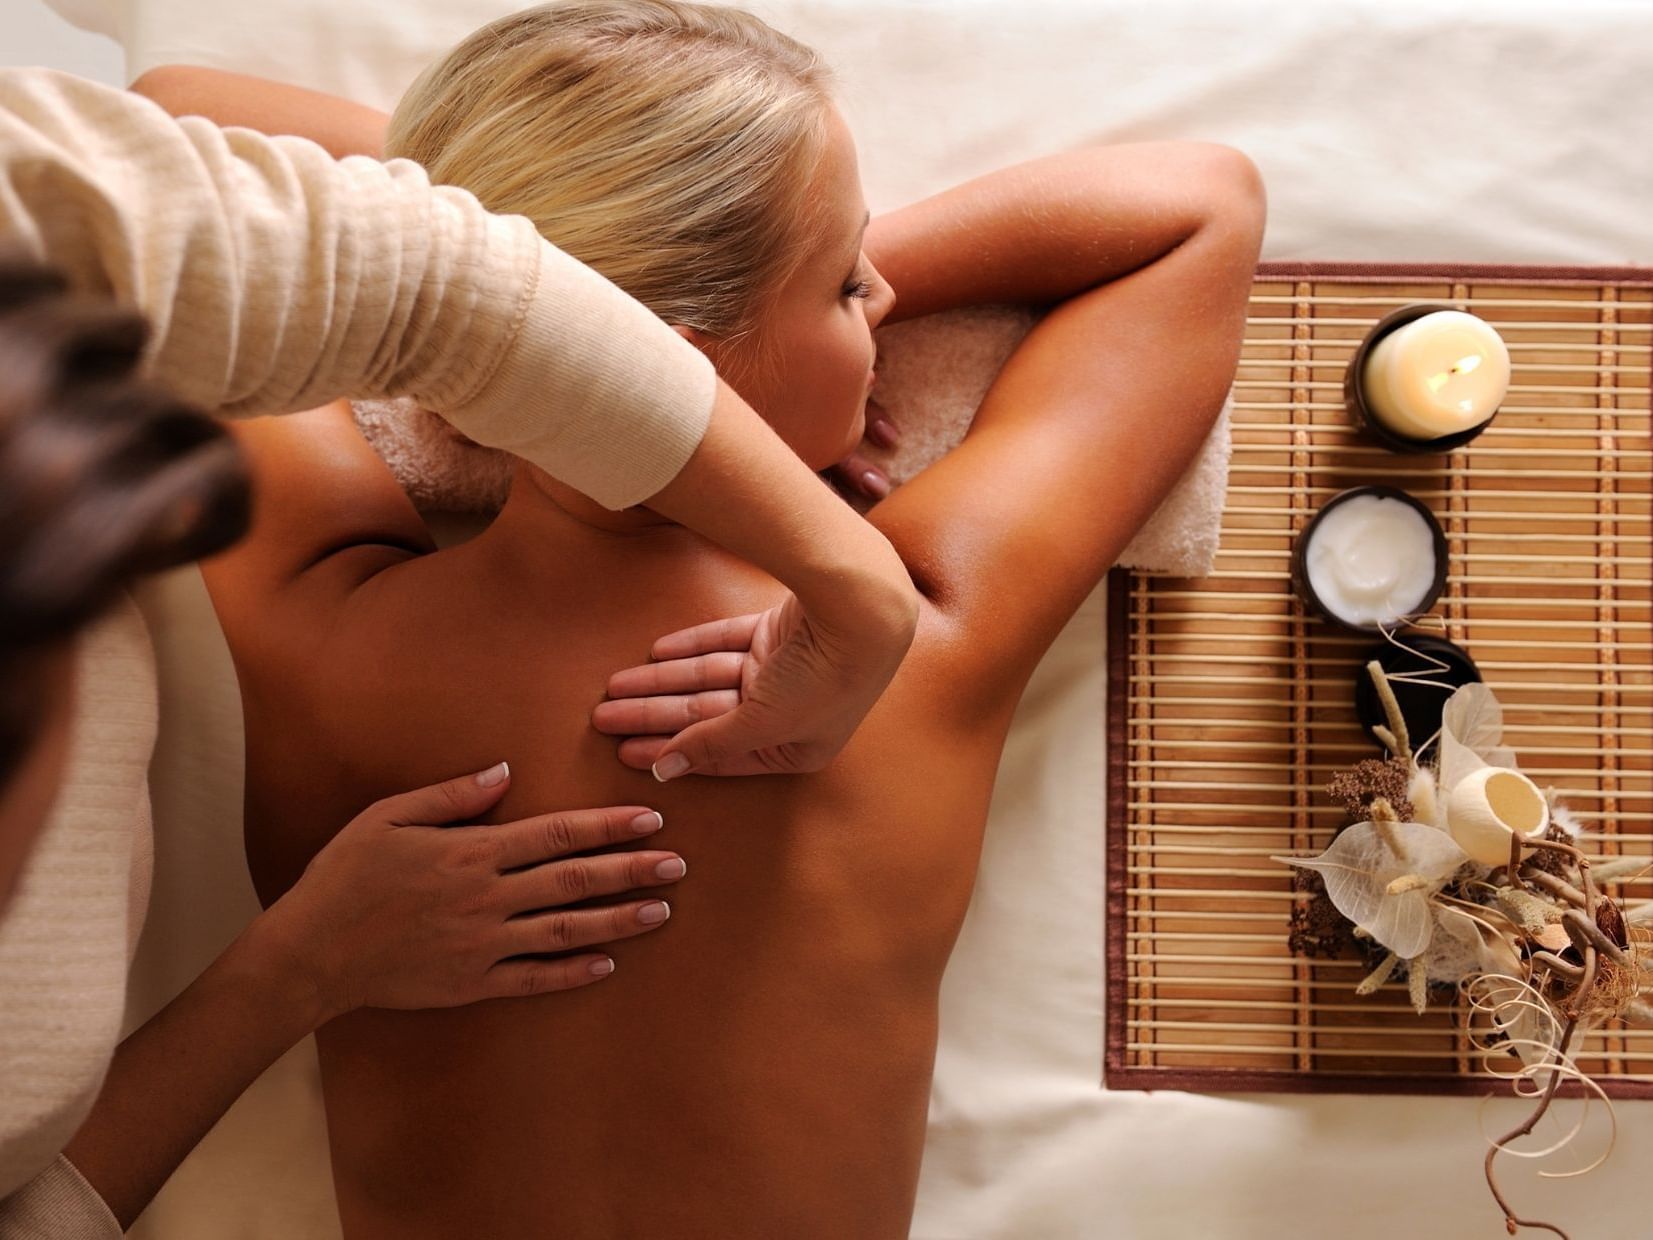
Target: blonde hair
x=668, y=145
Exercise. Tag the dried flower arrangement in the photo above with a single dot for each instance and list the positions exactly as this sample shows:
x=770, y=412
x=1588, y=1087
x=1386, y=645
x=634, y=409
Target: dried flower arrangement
x=1459, y=871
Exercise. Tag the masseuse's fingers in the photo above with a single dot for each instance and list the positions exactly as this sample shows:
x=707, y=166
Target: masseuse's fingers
x=397, y=911
x=566, y=931
x=640, y=752
x=585, y=878
x=735, y=633
x=449, y=801
x=631, y=716
x=695, y=674
x=529, y=841
x=520, y=978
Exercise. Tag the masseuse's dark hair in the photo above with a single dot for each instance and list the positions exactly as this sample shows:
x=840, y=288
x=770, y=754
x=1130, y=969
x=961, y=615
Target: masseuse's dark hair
x=102, y=477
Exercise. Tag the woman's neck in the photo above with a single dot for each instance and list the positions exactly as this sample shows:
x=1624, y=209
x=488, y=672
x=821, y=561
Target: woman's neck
x=541, y=509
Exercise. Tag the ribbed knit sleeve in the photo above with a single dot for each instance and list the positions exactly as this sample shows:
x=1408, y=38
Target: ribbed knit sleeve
x=278, y=278
x=58, y=1204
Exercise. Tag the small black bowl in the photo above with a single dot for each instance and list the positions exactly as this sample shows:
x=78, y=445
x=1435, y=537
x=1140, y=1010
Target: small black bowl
x=1420, y=705
x=1355, y=398
x=1299, y=556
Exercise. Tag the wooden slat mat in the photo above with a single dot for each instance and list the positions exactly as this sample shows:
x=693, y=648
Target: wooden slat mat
x=1229, y=707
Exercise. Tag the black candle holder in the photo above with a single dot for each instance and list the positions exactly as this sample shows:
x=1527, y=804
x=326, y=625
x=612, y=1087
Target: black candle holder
x=1420, y=705
x=1354, y=395
x=1299, y=556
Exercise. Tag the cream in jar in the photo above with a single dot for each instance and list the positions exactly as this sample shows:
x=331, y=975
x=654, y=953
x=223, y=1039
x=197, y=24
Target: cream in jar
x=1371, y=559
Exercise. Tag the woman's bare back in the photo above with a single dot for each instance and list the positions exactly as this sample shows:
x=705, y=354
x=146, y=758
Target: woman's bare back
x=761, y=1066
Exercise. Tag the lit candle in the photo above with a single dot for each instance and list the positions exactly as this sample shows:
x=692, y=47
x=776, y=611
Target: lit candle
x=1372, y=557
x=1436, y=376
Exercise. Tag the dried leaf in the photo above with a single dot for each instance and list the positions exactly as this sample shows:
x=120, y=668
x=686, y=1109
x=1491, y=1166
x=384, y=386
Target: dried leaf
x=1472, y=735
x=1359, y=870
x=1474, y=716
x=1553, y=938
x=1464, y=946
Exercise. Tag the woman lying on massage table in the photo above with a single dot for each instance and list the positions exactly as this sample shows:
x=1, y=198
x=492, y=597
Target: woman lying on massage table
x=767, y=1060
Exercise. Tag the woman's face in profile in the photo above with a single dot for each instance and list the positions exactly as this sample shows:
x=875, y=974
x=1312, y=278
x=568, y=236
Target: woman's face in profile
x=817, y=330
x=28, y=796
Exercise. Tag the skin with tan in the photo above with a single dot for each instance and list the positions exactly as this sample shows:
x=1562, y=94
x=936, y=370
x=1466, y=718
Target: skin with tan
x=761, y=1066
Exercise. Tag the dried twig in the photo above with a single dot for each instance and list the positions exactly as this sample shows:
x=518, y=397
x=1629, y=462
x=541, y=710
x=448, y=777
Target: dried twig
x=1559, y=887
x=1512, y=1221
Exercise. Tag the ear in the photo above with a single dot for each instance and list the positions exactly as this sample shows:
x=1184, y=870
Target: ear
x=693, y=335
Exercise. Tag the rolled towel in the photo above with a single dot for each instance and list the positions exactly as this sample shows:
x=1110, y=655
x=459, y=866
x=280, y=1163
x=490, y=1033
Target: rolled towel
x=933, y=373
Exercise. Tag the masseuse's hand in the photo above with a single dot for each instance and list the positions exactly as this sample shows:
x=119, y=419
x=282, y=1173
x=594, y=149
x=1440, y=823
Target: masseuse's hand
x=817, y=664
x=399, y=912
x=737, y=675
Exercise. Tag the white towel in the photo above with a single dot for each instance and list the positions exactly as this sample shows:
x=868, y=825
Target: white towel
x=933, y=373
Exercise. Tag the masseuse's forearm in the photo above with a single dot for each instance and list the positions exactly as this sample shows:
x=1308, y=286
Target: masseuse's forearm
x=173, y=1079
x=747, y=491
x=278, y=278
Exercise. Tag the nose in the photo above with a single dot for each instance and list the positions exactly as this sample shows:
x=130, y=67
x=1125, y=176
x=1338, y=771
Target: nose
x=882, y=300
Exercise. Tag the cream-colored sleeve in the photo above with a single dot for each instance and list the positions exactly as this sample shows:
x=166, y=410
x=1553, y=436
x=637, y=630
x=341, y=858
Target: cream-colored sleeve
x=58, y=1204
x=278, y=278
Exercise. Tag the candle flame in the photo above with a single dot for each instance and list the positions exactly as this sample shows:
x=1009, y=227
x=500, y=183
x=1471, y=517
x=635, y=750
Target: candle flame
x=1460, y=367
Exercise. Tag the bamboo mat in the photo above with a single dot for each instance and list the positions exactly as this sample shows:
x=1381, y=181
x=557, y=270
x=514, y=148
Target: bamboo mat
x=1230, y=707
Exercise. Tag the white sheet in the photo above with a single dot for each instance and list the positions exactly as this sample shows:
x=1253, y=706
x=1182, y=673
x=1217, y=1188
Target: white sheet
x=1386, y=130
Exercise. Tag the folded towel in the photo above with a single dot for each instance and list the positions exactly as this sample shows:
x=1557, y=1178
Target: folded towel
x=932, y=375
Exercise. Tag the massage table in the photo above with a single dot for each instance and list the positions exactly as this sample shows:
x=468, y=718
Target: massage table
x=1387, y=130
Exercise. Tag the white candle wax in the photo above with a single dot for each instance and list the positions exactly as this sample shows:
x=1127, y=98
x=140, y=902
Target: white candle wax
x=1371, y=560
x=1437, y=375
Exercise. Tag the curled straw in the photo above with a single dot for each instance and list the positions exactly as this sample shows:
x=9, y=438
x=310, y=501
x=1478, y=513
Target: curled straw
x=1505, y=1000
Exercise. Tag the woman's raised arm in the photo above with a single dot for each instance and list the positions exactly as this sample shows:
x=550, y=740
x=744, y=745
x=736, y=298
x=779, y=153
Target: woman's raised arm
x=1145, y=255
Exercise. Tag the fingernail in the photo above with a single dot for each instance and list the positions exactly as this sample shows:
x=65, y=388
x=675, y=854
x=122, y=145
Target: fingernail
x=670, y=767
x=877, y=485
x=655, y=913
x=647, y=823
x=603, y=967
x=494, y=775
x=883, y=433
x=671, y=869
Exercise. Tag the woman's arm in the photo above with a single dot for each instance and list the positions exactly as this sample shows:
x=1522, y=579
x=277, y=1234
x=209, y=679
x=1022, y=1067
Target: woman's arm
x=1145, y=254
x=394, y=912
x=239, y=99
